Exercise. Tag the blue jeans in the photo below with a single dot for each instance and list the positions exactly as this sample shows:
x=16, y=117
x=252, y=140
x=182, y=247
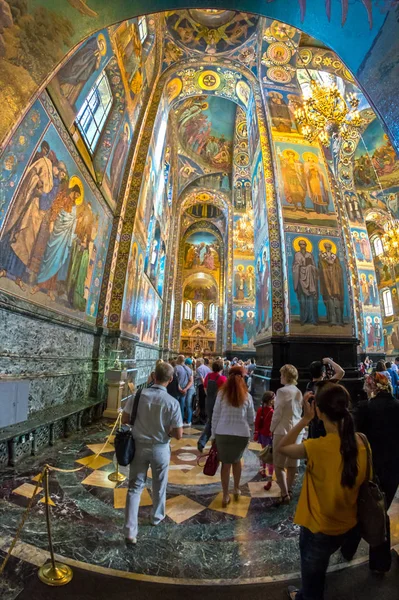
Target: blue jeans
x=156, y=456
x=186, y=401
x=316, y=549
x=206, y=434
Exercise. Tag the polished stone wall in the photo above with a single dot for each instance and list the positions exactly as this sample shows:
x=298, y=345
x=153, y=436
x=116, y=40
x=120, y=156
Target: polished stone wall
x=55, y=356
x=64, y=360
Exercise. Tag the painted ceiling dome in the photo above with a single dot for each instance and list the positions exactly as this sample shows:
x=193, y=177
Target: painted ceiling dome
x=211, y=31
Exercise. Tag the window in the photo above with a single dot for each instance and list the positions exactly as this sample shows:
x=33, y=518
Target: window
x=387, y=300
x=187, y=310
x=212, y=312
x=143, y=30
x=199, y=311
x=378, y=248
x=93, y=115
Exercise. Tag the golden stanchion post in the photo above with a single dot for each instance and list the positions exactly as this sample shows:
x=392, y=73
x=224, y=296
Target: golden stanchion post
x=52, y=573
x=116, y=475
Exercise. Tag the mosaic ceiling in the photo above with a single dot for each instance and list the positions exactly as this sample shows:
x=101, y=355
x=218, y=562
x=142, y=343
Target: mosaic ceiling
x=210, y=31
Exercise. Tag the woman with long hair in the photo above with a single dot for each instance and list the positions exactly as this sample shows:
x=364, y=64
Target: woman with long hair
x=232, y=423
x=287, y=413
x=336, y=467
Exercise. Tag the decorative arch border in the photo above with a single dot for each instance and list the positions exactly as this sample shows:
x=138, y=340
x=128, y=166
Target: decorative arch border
x=188, y=74
x=180, y=282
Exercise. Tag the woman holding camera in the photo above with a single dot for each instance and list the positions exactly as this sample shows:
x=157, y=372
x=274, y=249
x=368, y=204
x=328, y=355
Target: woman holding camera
x=336, y=468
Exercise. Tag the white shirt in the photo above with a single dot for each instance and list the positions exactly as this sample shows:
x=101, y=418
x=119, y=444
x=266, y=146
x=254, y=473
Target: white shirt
x=229, y=420
x=287, y=409
x=394, y=367
x=157, y=414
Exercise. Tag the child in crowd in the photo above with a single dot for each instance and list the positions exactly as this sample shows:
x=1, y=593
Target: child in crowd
x=263, y=435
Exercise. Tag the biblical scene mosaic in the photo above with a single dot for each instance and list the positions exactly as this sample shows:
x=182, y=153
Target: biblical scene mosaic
x=54, y=225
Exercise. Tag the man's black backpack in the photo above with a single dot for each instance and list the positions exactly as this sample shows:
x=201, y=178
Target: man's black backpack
x=211, y=393
x=124, y=442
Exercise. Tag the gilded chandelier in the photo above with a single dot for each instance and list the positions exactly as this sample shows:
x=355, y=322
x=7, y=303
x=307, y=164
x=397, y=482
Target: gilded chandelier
x=390, y=242
x=326, y=112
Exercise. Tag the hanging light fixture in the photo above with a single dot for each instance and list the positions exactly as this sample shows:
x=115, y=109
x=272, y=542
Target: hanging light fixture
x=390, y=242
x=326, y=113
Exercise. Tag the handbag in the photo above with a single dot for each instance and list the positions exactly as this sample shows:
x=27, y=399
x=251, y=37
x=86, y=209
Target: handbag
x=124, y=442
x=266, y=454
x=371, y=506
x=212, y=461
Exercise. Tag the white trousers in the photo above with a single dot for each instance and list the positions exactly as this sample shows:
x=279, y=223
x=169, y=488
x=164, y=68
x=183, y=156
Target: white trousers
x=156, y=456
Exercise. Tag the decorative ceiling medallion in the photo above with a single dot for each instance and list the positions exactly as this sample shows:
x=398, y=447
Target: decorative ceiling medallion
x=281, y=31
x=241, y=159
x=305, y=56
x=209, y=80
x=279, y=53
x=242, y=129
x=279, y=75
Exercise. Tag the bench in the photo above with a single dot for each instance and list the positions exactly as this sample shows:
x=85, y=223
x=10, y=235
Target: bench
x=44, y=428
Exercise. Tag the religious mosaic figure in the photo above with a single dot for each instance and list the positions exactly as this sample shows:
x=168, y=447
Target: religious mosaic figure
x=279, y=112
x=250, y=326
x=80, y=67
x=369, y=333
x=292, y=174
x=377, y=331
x=81, y=256
x=305, y=283
x=365, y=247
x=262, y=291
x=331, y=284
x=316, y=182
x=118, y=161
x=26, y=231
x=250, y=280
x=63, y=221
x=373, y=291
x=240, y=283
x=239, y=328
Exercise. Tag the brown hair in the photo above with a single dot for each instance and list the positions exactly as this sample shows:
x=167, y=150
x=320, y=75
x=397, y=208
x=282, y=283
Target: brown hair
x=334, y=401
x=217, y=366
x=267, y=398
x=235, y=389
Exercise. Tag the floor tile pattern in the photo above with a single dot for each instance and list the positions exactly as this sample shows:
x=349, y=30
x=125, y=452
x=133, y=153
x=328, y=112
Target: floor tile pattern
x=248, y=539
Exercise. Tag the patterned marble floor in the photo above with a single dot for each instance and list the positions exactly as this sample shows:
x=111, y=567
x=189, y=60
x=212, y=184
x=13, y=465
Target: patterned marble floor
x=199, y=540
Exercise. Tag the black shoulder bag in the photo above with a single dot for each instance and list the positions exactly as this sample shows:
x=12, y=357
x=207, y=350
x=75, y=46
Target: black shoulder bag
x=371, y=508
x=124, y=442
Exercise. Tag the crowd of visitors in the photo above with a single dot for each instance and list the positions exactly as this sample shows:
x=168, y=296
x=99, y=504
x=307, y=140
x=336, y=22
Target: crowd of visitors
x=320, y=428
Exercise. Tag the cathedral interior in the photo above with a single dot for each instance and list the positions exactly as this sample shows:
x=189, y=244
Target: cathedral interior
x=173, y=183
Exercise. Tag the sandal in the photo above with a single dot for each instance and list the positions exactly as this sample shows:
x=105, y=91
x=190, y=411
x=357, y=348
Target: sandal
x=284, y=500
x=237, y=494
x=225, y=502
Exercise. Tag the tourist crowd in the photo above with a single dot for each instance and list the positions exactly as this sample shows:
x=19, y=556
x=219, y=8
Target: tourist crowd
x=320, y=428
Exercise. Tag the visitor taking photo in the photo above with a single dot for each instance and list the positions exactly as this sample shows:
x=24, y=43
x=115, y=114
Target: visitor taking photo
x=336, y=468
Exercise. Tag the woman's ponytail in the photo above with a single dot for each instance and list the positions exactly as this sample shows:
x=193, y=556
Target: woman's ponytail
x=349, y=450
x=333, y=400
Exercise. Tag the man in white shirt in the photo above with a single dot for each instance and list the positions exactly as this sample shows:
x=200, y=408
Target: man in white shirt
x=158, y=419
x=395, y=365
